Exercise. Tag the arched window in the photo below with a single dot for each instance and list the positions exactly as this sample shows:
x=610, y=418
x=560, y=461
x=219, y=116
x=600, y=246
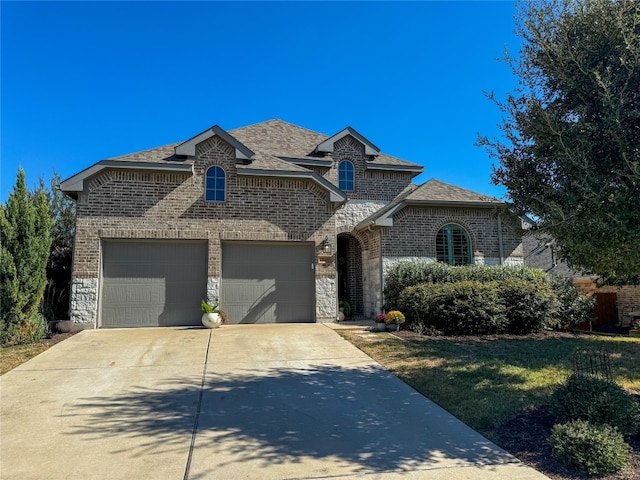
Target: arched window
x=345, y=176
x=453, y=245
x=214, y=184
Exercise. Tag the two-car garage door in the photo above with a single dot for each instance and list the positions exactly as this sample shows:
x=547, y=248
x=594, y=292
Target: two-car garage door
x=161, y=283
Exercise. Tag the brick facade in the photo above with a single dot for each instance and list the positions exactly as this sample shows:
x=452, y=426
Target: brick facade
x=375, y=185
x=146, y=204
x=414, y=234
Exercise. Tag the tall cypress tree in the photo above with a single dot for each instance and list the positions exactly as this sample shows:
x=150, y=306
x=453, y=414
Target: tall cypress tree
x=25, y=226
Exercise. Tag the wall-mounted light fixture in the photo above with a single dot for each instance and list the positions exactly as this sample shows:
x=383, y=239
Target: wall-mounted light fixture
x=326, y=246
x=325, y=255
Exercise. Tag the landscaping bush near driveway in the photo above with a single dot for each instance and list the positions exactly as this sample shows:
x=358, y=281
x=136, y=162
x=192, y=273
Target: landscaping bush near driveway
x=519, y=300
x=461, y=308
x=409, y=274
x=475, y=308
x=595, y=449
x=597, y=401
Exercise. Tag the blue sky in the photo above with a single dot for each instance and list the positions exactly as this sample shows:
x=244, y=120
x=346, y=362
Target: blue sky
x=82, y=82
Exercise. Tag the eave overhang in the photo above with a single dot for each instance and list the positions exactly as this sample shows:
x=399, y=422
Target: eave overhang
x=188, y=148
x=396, y=168
x=335, y=194
x=386, y=218
x=75, y=184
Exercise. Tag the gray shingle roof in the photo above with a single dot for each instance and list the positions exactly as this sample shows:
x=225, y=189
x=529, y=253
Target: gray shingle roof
x=285, y=140
x=437, y=191
x=433, y=192
x=272, y=141
x=162, y=154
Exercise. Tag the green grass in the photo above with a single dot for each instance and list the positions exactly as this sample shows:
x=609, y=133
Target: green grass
x=13, y=355
x=484, y=380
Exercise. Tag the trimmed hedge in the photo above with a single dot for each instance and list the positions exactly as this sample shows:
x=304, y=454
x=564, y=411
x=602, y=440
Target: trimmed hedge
x=478, y=308
x=530, y=305
x=596, y=449
x=409, y=274
x=532, y=298
x=460, y=308
x=597, y=401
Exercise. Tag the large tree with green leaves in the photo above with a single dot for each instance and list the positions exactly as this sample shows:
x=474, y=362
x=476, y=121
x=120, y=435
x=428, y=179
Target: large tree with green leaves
x=570, y=151
x=25, y=226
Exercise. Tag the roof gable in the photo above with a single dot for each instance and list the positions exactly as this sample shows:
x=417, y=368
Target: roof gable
x=432, y=193
x=327, y=145
x=188, y=148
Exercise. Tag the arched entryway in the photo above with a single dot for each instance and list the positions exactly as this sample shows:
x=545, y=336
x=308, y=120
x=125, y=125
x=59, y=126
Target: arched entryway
x=349, y=263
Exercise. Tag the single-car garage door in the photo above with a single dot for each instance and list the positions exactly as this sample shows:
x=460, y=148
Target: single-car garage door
x=152, y=283
x=268, y=282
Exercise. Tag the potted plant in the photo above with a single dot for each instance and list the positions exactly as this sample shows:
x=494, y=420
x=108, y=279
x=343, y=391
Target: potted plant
x=345, y=310
x=634, y=331
x=381, y=322
x=394, y=319
x=210, y=315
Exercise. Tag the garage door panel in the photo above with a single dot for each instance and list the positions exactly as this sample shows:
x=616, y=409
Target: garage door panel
x=153, y=283
x=268, y=282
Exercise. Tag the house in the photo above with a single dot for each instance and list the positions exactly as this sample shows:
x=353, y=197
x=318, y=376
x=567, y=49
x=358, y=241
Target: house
x=276, y=221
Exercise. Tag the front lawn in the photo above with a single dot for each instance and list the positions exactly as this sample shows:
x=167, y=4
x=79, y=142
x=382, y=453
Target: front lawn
x=487, y=381
x=13, y=355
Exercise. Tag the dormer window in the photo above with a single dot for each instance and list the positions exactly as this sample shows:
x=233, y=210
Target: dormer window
x=346, y=176
x=215, y=184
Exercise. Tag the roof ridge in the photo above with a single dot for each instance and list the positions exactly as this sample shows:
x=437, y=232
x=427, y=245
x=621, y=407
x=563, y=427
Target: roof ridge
x=281, y=121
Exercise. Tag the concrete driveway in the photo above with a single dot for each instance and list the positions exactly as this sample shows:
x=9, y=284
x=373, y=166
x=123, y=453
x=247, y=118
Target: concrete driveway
x=241, y=402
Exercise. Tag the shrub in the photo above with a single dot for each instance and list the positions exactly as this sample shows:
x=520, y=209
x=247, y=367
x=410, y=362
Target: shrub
x=409, y=274
x=596, y=449
x=29, y=330
x=597, y=401
x=573, y=307
x=529, y=304
x=460, y=308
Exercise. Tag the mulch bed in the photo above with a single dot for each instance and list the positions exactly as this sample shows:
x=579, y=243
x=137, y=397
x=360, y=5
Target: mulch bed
x=525, y=437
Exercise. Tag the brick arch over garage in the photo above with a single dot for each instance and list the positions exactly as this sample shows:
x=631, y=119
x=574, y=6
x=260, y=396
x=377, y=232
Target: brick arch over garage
x=349, y=265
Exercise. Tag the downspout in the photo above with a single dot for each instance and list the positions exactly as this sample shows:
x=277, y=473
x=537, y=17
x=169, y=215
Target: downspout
x=500, y=245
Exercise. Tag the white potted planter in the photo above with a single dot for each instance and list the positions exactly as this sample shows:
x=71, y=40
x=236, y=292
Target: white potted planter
x=211, y=320
x=210, y=316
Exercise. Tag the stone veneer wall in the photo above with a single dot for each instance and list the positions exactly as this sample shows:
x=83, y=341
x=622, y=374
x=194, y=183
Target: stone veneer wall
x=326, y=298
x=84, y=301
x=355, y=211
x=414, y=234
x=152, y=205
